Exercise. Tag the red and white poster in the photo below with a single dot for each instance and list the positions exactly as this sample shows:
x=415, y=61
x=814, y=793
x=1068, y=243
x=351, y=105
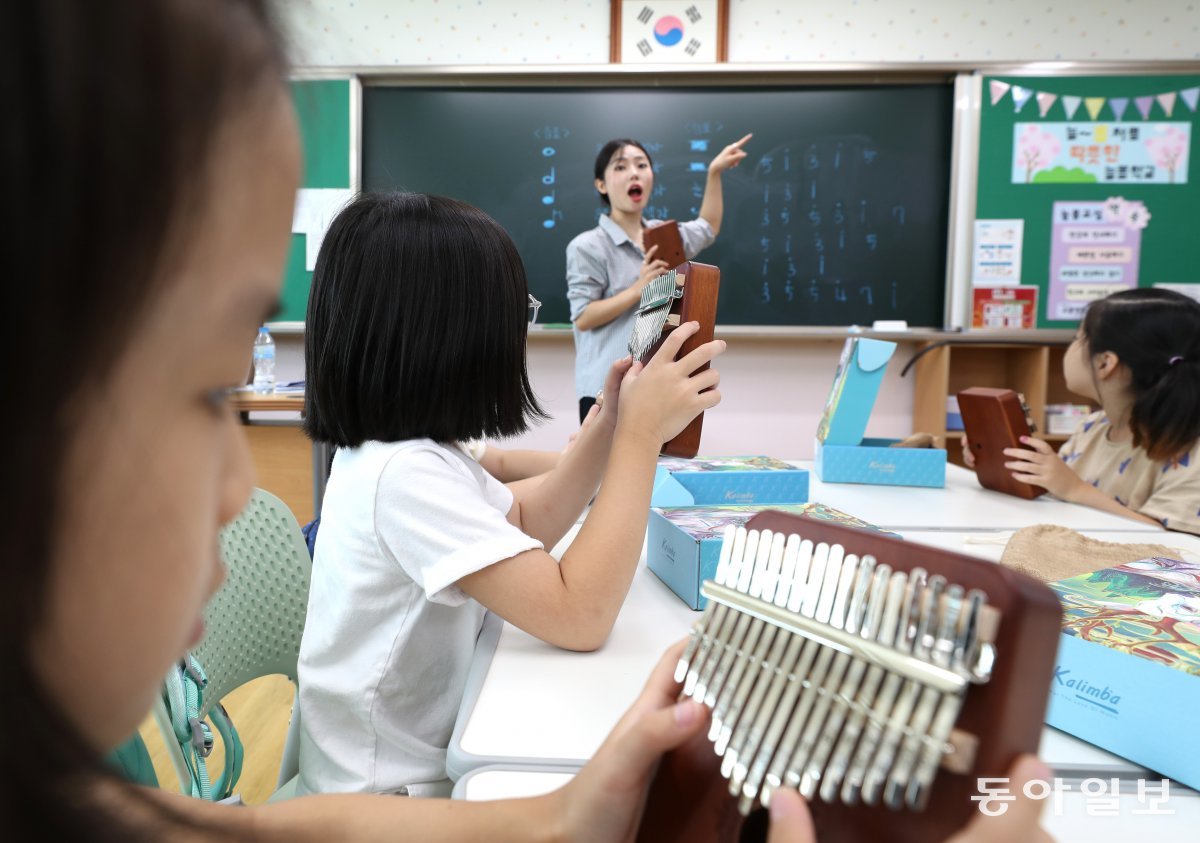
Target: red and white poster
x=1004, y=307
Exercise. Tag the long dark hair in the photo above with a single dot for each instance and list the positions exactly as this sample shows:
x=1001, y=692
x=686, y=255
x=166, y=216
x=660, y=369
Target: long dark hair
x=1155, y=333
x=111, y=111
x=416, y=326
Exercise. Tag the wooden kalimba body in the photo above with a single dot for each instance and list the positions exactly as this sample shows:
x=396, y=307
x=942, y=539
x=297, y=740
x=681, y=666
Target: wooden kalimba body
x=668, y=240
x=687, y=293
x=879, y=677
x=995, y=419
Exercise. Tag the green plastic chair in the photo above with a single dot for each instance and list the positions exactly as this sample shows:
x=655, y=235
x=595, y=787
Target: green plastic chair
x=254, y=623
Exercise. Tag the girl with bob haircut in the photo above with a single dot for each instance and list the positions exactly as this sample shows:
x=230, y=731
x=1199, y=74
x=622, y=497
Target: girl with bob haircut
x=151, y=165
x=414, y=343
x=607, y=267
x=1136, y=355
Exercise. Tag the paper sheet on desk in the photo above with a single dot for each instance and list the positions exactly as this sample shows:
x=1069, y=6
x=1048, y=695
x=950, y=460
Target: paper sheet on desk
x=315, y=209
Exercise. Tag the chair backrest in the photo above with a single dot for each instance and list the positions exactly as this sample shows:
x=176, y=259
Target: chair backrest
x=255, y=621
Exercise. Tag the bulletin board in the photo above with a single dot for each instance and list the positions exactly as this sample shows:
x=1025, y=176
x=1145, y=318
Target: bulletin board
x=326, y=110
x=1086, y=187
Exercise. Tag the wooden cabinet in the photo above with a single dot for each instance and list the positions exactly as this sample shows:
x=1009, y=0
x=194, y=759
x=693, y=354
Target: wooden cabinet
x=283, y=456
x=283, y=465
x=1032, y=369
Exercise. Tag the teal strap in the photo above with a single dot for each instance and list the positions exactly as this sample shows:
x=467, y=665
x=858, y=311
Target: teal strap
x=183, y=691
x=234, y=753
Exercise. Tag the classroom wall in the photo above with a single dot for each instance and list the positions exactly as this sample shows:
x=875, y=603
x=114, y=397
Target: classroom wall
x=774, y=390
x=413, y=32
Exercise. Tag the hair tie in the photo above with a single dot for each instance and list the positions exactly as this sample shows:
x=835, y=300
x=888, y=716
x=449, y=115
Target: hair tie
x=1174, y=360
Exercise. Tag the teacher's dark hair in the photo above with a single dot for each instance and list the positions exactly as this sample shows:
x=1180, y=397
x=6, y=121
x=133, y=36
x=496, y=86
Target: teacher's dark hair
x=111, y=111
x=1155, y=333
x=416, y=327
x=605, y=156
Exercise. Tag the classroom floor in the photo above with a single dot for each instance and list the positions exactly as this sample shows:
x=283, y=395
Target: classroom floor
x=259, y=710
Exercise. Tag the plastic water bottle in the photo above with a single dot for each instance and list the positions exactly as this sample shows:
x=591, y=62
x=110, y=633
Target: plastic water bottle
x=264, y=362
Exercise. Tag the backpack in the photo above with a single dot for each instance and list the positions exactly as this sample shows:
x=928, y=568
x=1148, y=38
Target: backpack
x=183, y=697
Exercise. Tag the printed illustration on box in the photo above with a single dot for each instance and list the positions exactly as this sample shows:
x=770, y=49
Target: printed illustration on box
x=1149, y=608
x=724, y=464
x=709, y=522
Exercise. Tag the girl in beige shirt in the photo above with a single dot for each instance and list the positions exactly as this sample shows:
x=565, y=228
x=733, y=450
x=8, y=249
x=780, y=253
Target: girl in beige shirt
x=1137, y=355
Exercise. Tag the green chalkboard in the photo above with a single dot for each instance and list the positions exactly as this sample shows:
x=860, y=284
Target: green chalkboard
x=1097, y=167
x=838, y=216
x=323, y=111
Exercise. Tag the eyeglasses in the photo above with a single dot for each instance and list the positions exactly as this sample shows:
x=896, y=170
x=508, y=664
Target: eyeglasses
x=534, y=307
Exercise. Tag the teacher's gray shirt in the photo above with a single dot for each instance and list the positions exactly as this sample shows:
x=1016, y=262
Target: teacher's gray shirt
x=601, y=263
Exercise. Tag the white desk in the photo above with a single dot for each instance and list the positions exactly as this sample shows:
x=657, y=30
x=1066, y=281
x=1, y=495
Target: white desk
x=962, y=505
x=547, y=706
x=528, y=704
x=490, y=783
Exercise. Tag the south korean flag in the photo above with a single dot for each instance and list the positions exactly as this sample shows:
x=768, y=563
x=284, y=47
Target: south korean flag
x=668, y=32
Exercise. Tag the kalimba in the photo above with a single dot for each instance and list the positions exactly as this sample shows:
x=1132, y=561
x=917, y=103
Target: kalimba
x=879, y=677
x=668, y=240
x=995, y=419
x=687, y=293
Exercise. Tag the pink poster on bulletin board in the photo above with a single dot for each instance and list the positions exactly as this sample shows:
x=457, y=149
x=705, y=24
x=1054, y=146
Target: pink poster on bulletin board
x=1095, y=251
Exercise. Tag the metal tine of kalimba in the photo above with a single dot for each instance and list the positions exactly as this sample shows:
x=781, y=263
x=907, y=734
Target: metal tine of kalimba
x=757, y=714
x=653, y=311
x=897, y=719
x=894, y=585
x=734, y=643
x=754, y=684
x=762, y=586
x=647, y=330
x=757, y=639
x=906, y=635
x=720, y=640
x=844, y=575
x=754, y=757
x=784, y=718
x=820, y=768
x=719, y=615
x=817, y=741
x=950, y=705
x=701, y=628
x=940, y=653
x=661, y=291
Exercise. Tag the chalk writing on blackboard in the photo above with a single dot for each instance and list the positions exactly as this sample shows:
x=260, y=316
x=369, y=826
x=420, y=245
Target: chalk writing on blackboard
x=825, y=234
x=548, y=135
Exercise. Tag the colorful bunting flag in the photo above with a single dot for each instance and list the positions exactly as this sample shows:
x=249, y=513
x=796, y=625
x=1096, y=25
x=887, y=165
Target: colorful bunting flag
x=1044, y=102
x=1094, y=105
x=1020, y=97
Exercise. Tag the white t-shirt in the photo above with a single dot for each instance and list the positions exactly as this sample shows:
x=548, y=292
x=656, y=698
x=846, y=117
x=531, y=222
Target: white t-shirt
x=389, y=637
